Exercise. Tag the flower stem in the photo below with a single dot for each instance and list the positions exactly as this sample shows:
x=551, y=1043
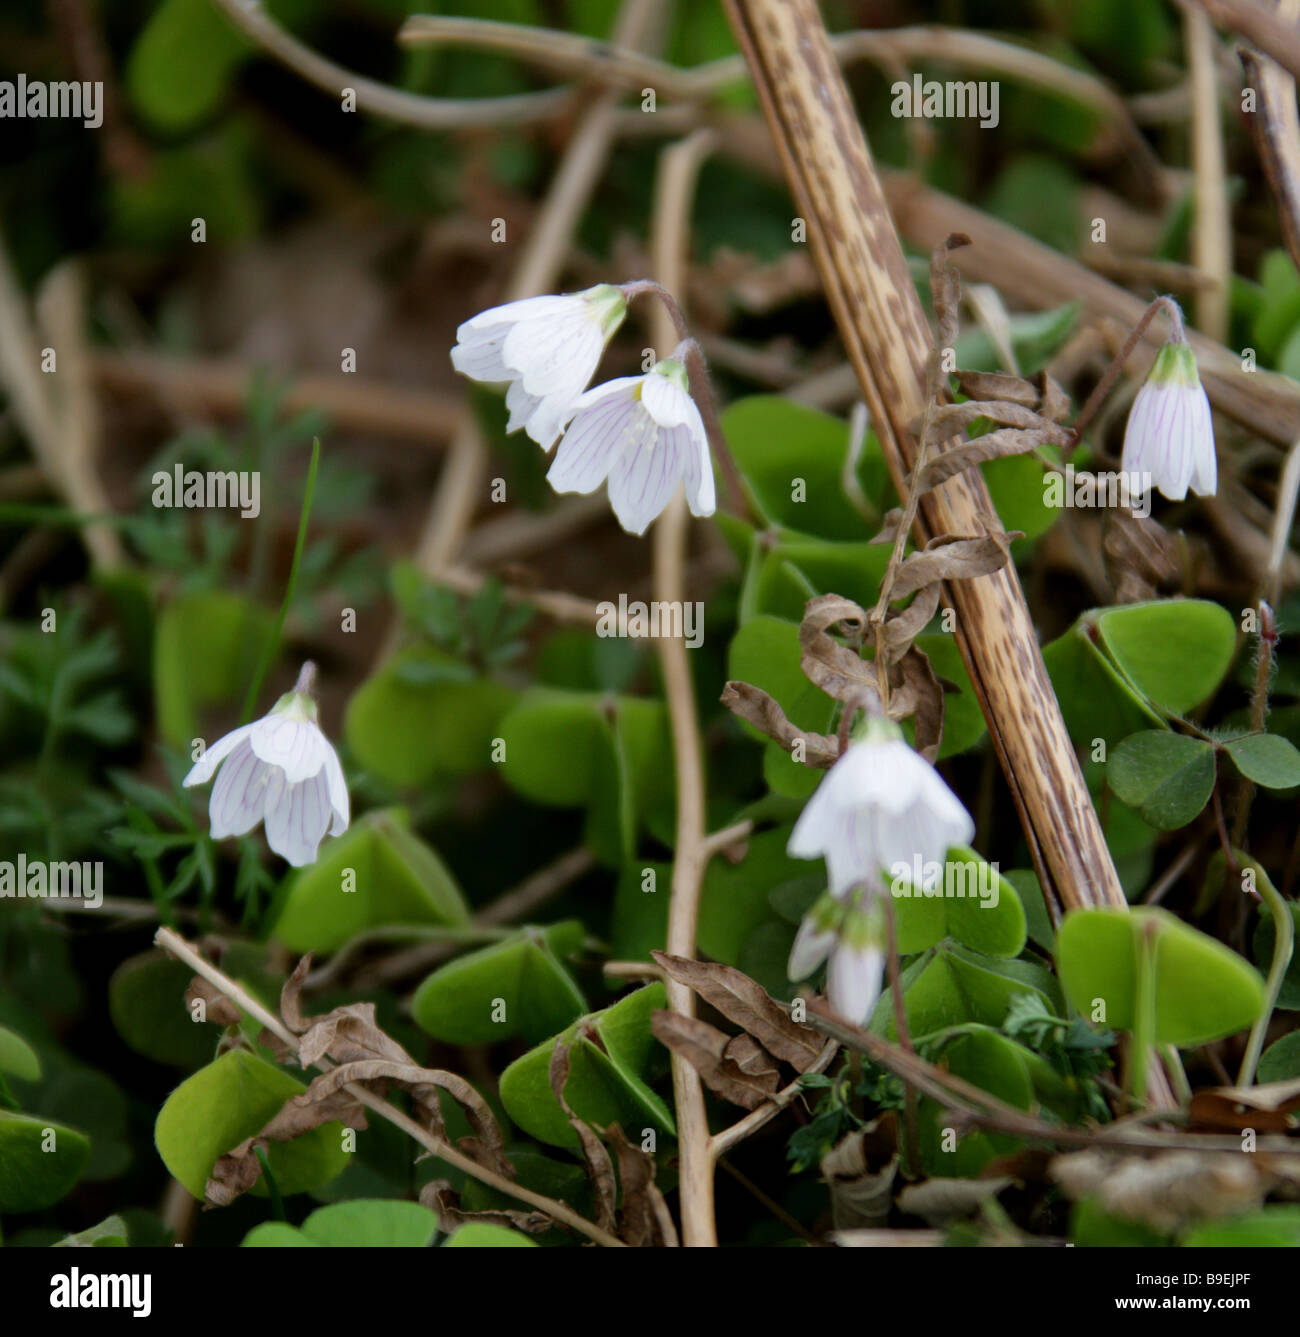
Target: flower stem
x=1103, y=386
x=1142, y=1043
x=273, y=640
x=1283, y=946
x=1258, y=711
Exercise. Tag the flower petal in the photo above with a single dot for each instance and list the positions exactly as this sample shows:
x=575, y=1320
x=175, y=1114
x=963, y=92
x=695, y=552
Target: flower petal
x=338, y=794
x=201, y=771
x=811, y=947
x=599, y=432
x=296, y=746
x=643, y=480
x=239, y=796
x=297, y=817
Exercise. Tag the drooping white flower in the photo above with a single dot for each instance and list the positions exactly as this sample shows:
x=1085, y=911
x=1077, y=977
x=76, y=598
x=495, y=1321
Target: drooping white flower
x=644, y=435
x=1170, y=434
x=881, y=803
x=280, y=770
x=547, y=348
x=853, y=940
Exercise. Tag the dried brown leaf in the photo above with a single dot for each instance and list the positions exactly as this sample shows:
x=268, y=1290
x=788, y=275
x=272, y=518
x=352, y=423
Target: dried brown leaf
x=921, y=697
x=949, y=419
x=1002, y=385
x=704, y=1047
x=441, y=1199
x=950, y=557
x=217, y=1008
x=904, y=625
x=424, y=1084
x=999, y=445
x=1053, y=403
x=746, y=1003
x=237, y=1170
x=945, y=288
x=600, y=1168
x=889, y=526
x=1271, y=1108
x=860, y=1171
x=645, y=1218
x=765, y=714
x=839, y=671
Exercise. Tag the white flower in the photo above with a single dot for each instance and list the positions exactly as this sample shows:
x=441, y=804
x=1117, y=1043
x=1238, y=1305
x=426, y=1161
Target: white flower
x=644, y=434
x=1170, y=434
x=280, y=770
x=547, y=348
x=881, y=803
x=853, y=940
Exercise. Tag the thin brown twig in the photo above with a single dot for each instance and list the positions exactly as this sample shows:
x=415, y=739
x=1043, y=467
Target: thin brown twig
x=1212, y=233
x=219, y=386
x=176, y=946
x=985, y=1110
x=537, y=269
x=1258, y=25
x=394, y=104
x=722, y=1141
x=572, y=54
x=674, y=190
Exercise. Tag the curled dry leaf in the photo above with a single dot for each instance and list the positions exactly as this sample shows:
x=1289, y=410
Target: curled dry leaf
x=1005, y=442
x=945, y=288
x=1271, y=1108
x=753, y=704
x=839, y=671
x=709, y=1051
x=921, y=697
x=352, y=1038
x=904, y=625
x=424, y=1085
x=948, y=419
x=950, y=557
x=1041, y=392
x=646, y=1219
x=889, y=526
x=746, y=1003
x=600, y=1168
x=235, y=1172
x=998, y=385
x=860, y=1171
x=443, y=1200
x=1167, y=1191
